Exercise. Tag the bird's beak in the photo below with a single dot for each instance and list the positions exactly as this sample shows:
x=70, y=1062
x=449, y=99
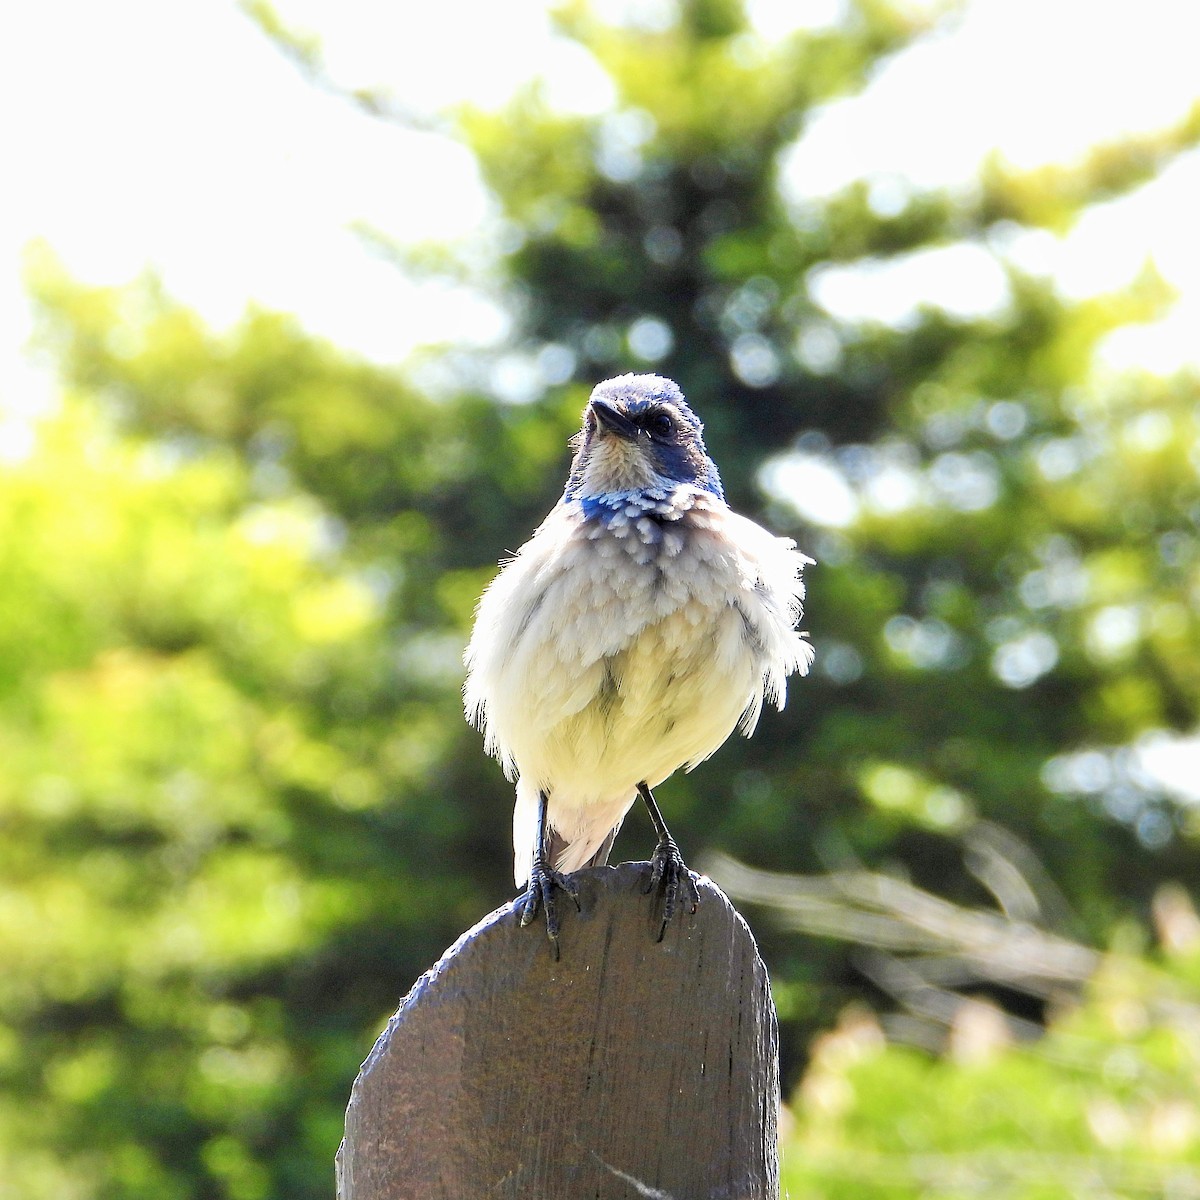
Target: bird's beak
x=614, y=421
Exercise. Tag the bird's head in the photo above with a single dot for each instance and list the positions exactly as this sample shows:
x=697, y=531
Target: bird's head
x=639, y=434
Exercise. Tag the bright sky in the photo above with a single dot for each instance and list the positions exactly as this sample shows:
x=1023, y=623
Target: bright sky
x=175, y=137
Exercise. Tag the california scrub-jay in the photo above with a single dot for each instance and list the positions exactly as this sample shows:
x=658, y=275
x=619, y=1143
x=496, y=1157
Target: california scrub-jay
x=640, y=624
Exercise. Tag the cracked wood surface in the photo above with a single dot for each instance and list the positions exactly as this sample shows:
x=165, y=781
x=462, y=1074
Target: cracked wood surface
x=627, y=1069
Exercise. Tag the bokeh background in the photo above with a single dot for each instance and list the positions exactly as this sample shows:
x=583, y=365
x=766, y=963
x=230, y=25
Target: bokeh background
x=302, y=303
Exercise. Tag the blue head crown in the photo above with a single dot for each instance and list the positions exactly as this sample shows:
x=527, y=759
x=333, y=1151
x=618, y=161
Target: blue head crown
x=639, y=435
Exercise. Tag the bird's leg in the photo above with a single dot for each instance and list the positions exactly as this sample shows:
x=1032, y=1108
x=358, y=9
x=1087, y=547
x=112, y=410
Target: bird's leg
x=543, y=880
x=668, y=869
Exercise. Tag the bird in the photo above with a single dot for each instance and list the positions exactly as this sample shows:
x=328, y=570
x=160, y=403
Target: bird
x=642, y=622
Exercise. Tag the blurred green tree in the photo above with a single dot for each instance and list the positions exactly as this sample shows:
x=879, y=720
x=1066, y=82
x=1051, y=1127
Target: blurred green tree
x=242, y=811
x=999, y=602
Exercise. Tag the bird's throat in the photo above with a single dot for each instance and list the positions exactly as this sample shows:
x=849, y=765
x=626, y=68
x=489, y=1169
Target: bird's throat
x=618, y=465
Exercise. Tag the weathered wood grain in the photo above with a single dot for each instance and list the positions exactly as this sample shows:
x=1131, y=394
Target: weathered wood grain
x=629, y=1068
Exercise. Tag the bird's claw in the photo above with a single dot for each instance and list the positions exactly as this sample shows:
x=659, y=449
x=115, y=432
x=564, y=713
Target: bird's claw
x=669, y=873
x=540, y=894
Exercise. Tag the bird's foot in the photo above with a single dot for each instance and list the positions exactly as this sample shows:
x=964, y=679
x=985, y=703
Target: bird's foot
x=669, y=873
x=540, y=894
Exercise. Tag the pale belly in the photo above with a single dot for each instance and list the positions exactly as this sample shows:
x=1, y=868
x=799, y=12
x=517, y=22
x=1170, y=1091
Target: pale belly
x=668, y=699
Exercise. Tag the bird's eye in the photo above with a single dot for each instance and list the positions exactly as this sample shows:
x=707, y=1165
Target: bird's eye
x=660, y=425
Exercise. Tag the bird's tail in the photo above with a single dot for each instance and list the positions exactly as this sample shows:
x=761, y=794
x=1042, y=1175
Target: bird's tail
x=585, y=848
x=568, y=856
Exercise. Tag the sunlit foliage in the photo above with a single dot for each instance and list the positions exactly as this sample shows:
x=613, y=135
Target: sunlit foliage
x=1107, y=1102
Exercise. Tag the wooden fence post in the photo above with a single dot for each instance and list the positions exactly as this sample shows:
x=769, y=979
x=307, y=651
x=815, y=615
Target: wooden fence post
x=627, y=1069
